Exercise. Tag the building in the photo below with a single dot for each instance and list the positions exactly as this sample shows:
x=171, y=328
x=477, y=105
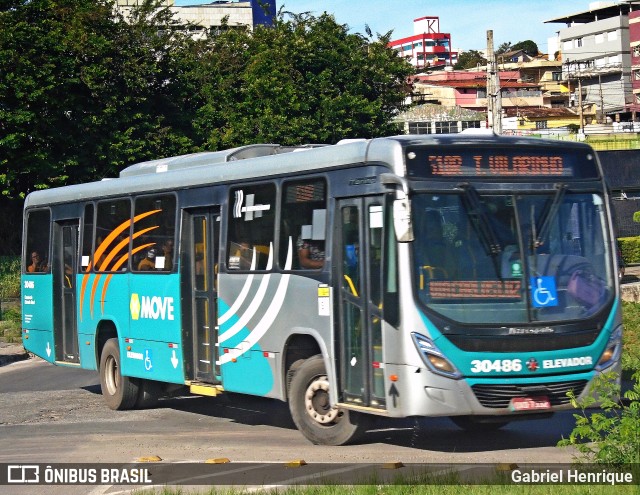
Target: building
x=634, y=42
x=595, y=51
x=200, y=18
x=437, y=119
x=468, y=89
x=547, y=74
x=539, y=120
x=456, y=100
x=428, y=47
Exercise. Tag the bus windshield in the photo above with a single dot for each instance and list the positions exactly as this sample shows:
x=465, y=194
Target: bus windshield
x=505, y=258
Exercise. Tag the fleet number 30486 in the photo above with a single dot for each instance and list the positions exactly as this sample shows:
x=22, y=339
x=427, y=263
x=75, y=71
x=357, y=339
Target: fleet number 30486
x=498, y=365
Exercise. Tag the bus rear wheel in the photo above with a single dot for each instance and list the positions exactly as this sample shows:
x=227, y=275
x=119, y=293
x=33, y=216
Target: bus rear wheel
x=120, y=392
x=312, y=412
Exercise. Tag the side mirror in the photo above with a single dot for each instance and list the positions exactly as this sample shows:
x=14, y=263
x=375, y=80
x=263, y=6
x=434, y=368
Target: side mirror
x=402, y=222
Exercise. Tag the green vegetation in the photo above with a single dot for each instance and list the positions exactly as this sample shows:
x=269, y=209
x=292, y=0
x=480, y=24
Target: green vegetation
x=631, y=338
x=435, y=488
x=611, y=435
x=630, y=248
x=10, y=317
x=9, y=277
x=83, y=93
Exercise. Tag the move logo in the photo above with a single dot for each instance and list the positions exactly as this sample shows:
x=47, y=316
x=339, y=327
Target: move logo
x=151, y=307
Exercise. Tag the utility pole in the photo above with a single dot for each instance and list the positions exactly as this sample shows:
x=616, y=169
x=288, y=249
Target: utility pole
x=580, y=110
x=494, y=96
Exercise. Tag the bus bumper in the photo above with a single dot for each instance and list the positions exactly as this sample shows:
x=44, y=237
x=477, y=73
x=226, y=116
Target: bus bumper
x=427, y=394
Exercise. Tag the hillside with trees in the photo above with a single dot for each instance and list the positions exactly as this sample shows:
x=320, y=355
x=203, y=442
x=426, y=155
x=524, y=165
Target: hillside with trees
x=84, y=94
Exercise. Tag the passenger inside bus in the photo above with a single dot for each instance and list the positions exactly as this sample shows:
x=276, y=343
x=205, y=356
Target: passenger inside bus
x=310, y=253
x=167, y=251
x=37, y=263
x=148, y=263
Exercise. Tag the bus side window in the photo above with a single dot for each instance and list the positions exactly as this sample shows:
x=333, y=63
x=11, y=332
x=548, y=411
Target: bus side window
x=250, y=236
x=112, y=235
x=38, y=242
x=303, y=224
x=87, y=238
x=154, y=231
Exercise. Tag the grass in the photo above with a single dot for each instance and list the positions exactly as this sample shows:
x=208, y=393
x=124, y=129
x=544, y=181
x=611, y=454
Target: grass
x=420, y=489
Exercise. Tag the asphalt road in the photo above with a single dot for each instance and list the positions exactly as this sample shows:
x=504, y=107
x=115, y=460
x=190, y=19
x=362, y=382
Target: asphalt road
x=51, y=414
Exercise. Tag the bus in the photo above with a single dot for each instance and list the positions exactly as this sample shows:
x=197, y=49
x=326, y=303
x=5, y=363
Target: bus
x=464, y=276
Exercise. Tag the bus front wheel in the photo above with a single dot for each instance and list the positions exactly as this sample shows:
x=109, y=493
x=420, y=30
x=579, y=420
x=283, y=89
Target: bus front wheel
x=312, y=412
x=120, y=392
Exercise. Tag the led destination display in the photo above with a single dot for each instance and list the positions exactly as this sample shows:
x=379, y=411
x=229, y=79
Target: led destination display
x=450, y=162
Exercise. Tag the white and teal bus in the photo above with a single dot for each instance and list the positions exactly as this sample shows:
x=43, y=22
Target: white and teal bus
x=465, y=276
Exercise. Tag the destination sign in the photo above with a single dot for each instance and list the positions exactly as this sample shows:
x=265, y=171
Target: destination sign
x=475, y=289
x=455, y=162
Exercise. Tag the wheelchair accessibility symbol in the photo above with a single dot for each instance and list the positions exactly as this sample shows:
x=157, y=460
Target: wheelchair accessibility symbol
x=147, y=360
x=543, y=292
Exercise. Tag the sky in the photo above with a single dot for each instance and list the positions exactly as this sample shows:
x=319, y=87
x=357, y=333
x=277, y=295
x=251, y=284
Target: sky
x=466, y=20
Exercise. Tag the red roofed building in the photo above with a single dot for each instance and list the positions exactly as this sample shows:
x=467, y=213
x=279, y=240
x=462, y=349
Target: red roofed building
x=446, y=95
x=469, y=90
x=428, y=47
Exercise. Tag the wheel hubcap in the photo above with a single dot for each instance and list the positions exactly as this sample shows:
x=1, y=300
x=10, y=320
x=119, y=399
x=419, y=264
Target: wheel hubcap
x=111, y=375
x=317, y=403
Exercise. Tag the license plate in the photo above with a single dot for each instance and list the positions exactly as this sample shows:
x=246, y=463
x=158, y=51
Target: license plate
x=530, y=404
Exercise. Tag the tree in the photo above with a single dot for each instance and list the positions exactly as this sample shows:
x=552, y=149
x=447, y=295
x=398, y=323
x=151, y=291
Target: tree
x=470, y=59
x=83, y=93
x=504, y=48
x=528, y=46
x=307, y=79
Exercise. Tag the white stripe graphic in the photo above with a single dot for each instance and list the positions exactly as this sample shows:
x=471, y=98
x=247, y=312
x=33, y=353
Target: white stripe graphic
x=237, y=209
x=253, y=307
x=270, y=315
x=243, y=293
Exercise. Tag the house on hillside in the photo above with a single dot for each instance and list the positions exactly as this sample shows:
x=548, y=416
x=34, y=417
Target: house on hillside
x=538, y=119
x=437, y=119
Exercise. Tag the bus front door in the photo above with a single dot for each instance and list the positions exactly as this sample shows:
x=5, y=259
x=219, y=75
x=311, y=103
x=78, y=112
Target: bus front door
x=65, y=261
x=199, y=274
x=359, y=241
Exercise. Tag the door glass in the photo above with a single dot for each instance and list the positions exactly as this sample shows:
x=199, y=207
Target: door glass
x=375, y=264
x=351, y=250
x=66, y=281
x=202, y=307
x=352, y=309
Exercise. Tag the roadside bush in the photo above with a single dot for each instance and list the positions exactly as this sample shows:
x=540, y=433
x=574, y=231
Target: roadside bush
x=630, y=249
x=630, y=337
x=612, y=435
x=9, y=277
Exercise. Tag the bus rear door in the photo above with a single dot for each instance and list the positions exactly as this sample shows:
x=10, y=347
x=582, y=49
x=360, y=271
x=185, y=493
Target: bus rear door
x=65, y=261
x=201, y=228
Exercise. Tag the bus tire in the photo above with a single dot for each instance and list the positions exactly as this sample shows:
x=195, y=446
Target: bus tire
x=311, y=410
x=150, y=392
x=120, y=392
x=479, y=423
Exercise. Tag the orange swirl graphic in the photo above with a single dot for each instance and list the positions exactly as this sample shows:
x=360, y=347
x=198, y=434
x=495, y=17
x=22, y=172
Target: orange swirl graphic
x=104, y=245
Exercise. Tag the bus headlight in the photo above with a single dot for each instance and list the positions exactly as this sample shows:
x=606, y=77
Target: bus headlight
x=612, y=352
x=433, y=357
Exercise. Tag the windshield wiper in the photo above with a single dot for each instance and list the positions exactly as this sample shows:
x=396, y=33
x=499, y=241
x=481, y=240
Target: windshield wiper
x=481, y=224
x=548, y=214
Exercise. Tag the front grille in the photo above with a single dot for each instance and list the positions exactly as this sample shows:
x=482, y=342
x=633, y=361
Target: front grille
x=499, y=396
x=524, y=343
